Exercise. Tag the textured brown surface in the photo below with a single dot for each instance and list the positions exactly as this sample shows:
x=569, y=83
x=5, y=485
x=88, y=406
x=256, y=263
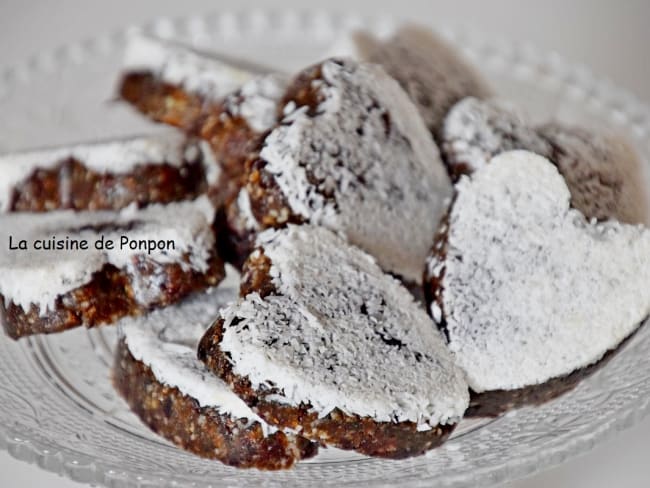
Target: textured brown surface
x=202, y=430
x=235, y=146
x=255, y=276
x=109, y=296
x=161, y=101
x=269, y=208
x=230, y=137
x=433, y=285
x=71, y=185
x=235, y=241
x=268, y=204
x=303, y=91
x=602, y=171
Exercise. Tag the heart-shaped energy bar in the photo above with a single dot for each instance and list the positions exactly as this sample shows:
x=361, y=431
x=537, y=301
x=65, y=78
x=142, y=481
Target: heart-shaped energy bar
x=528, y=291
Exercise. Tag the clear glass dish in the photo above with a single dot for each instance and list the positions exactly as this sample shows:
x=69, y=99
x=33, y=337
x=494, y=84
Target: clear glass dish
x=57, y=405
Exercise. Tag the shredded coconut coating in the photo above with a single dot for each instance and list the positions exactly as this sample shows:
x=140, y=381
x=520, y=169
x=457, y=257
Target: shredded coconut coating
x=476, y=130
x=40, y=276
x=603, y=173
x=166, y=340
x=257, y=101
x=181, y=65
x=531, y=290
x=433, y=73
x=247, y=218
x=115, y=157
x=339, y=333
x=363, y=164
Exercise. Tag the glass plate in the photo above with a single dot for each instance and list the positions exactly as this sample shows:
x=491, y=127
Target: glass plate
x=57, y=406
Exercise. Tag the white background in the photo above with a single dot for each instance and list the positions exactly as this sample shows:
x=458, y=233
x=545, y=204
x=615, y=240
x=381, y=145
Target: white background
x=611, y=37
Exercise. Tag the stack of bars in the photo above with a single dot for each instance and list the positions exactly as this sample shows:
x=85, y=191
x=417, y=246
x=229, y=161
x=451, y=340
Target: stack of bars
x=355, y=256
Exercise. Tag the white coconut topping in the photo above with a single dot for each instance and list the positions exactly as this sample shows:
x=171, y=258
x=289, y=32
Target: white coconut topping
x=114, y=157
x=476, y=130
x=245, y=212
x=364, y=165
x=531, y=290
x=342, y=334
x=257, y=101
x=431, y=71
x=166, y=341
x=177, y=64
x=38, y=277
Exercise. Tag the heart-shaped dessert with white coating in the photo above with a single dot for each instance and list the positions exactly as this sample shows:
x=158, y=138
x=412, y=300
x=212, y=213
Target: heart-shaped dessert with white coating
x=529, y=292
x=322, y=342
x=351, y=154
x=603, y=172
